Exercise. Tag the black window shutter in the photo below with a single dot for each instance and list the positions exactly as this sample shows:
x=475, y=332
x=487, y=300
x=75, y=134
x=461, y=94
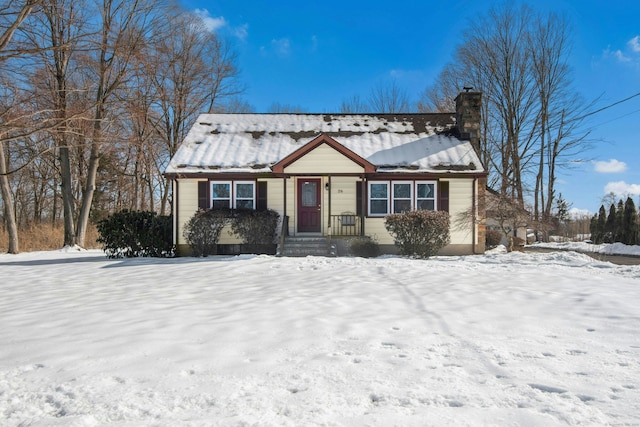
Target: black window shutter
x=359, y=194
x=203, y=195
x=443, y=196
x=261, y=201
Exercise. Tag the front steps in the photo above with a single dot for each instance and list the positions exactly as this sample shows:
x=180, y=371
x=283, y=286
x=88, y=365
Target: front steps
x=305, y=246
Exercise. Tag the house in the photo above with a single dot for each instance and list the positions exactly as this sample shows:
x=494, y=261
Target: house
x=335, y=176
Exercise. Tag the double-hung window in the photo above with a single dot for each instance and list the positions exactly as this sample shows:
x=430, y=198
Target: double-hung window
x=244, y=195
x=426, y=195
x=233, y=194
x=378, y=198
x=401, y=196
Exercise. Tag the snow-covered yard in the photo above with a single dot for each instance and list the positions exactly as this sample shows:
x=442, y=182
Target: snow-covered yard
x=501, y=339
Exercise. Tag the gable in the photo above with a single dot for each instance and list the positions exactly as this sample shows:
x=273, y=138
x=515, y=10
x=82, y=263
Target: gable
x=323, y=159
x=323, y=155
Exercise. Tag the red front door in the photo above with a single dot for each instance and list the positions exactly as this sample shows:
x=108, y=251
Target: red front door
x=309, y=205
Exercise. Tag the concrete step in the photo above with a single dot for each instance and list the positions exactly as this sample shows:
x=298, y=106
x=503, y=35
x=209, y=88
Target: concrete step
x=305, y=246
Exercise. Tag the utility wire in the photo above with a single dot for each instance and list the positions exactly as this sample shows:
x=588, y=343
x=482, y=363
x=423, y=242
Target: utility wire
x=603, y=108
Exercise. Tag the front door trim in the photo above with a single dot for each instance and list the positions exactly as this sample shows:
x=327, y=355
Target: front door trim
x=309, y=205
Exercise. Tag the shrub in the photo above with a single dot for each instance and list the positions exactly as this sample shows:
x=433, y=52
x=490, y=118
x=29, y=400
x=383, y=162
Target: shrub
x=202, y=231
x=366, y=247
x=136, y=234
x=492, y=238
x=255, y=227
x=419, y=233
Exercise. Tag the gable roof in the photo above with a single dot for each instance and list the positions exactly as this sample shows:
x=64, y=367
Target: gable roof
x=323, y=139
x=257, y=142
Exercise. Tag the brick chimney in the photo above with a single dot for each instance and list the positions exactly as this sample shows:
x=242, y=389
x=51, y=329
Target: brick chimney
x=468, y=117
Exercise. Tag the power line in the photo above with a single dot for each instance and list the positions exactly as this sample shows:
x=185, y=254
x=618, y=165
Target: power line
x=603, y=108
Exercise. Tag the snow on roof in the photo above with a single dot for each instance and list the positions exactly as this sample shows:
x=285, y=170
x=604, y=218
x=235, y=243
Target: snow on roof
x=255, y=142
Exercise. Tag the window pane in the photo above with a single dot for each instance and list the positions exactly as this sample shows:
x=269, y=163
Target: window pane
x=378, y=207
x=220, y=191
x=378, y=191
x=401, y=191
x=221, y=204
x=309, y=194
x=425, y=191
x=426, y=205
x=244, y=204
x=400, y=206
x=244, y=191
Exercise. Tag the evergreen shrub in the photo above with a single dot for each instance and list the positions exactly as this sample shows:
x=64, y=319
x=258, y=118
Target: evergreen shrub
x=255, y=227
x=203, y=229
x=419, y=233
x=365, y=247
x=128, y=234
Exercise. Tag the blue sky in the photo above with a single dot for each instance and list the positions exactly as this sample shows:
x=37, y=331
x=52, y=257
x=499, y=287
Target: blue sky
x=317, y=54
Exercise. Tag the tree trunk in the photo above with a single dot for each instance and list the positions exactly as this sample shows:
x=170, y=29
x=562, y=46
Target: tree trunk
x=87, y=195
x=12, y=227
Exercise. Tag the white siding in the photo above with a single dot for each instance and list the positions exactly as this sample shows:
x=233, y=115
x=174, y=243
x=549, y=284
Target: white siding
x=323, y=160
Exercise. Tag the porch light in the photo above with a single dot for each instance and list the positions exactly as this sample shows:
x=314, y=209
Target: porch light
x=326, y=186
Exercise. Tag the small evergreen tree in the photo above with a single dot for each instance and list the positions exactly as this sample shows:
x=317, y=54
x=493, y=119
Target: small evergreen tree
x=629, y=223
x=593, y=228
x=619, y=219
x=602, y=225
x=562, y=214
x=610, y=226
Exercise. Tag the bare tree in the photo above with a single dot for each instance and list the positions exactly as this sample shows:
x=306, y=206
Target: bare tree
x=354, y=105
x=123, y=27
x=193, y=71
x=559, y=107
x=517, y=58
x=389, y=98
x=277, y=107
x=12, y=15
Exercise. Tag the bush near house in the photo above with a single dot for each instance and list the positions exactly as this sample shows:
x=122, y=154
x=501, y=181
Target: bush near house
x=492, y=238
x=419, y=233
x=128, y=234
x=255, y=228
x=202, y=231
x=365, y=247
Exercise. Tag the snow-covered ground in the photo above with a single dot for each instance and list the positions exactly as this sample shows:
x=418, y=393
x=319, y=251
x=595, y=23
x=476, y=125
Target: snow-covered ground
x=605, y=248
x=517, y=339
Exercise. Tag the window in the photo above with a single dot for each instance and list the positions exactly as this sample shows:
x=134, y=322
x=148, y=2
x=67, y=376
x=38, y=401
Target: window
x=238, y=195
x=378, y=198
x=220, y=195
x=426, y=196
x=245, y=195
x=401, y=196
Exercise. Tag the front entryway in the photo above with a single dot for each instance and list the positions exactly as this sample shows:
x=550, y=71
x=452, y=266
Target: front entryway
x=309, y=213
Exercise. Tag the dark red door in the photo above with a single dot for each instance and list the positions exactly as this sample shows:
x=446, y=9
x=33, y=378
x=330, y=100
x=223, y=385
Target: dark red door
x=309, y=205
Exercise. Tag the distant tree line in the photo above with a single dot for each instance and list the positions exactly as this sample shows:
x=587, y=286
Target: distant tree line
x=620, y=224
